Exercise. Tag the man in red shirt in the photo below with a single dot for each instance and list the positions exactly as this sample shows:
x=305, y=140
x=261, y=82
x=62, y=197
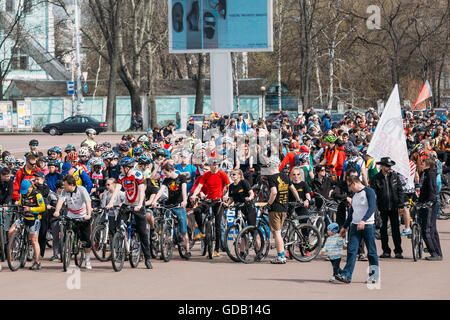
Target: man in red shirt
x=290, y=157
x=27, y=172
x=216, y=182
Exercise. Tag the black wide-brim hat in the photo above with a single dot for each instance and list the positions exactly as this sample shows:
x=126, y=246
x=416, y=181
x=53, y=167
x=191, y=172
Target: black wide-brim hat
x=387, y=162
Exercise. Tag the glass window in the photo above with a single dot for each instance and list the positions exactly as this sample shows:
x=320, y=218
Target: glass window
x=10, y=5
x=19, y=60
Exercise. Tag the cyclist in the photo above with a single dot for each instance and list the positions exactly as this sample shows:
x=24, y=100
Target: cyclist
x=78, y=203
x=89, y=141
x=24, y=173
x=83, y=158
x=177, y=195
x=98, y=176
x=6, y=186
x=53, y=175
x=217, y=182
x=33, y=205
x=42, y=164
x=187, y=169
x=111, y=160
x=106, y=198
x=53, y=155
x=132, y=181
x=78, y=172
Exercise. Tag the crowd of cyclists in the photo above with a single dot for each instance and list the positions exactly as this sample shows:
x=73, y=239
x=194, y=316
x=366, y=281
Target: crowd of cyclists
x=226, y=161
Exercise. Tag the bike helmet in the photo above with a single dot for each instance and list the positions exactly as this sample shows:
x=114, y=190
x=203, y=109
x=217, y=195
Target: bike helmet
x=142, y=138
x=123, y=146
x=50, y=151
x=303, y=157
x=138, y=151
x=285, y=142
x=96, y=161
x=99, y=147
x=146, y=145
x=19, y=163
x=127, y=162
x=144, y=160
x=154, y=146
x=160, y=153
x=90, y=131
x=57, y=149
x=84, y=152
x=108, y=155
x=52, y=163
x=306, y=137
x=33, y=153
x=273, y=162
x=33, y=142
x=43, y=159
x=70, y=147
x=107, y=145
x=10, y=159
x=72, y=156
x=330, y=139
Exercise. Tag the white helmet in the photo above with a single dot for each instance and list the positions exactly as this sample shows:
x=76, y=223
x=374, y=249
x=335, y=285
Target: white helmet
x=84, y=151
x=226, y=166
x=142, y=138
x=90, y=131
x=96, y=161
x=10, y=159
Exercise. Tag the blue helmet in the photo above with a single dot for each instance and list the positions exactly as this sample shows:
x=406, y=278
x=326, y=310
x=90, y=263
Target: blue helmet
x=137, y=151
x=24, y=186
x=127, y=162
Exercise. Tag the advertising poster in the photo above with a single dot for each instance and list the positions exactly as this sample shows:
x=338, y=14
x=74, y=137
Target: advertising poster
x=23, y=115
x=5, y=115
x=220, y=25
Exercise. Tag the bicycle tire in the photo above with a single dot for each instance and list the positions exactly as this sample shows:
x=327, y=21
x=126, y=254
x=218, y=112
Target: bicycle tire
x=265, y=230
x=166, y=243
x=306, y=239
x=101, y=249
x=118, y=251
x=30, y=252
x=14, y=252
x=231, y=235
x=415, y=242
x=135, y=250
x=79, y=258
x=24, y=253
x=2, y=244
x=155, y=243
x=248, y=238
x=210, y=239
x=182, y=251
x=67, y=250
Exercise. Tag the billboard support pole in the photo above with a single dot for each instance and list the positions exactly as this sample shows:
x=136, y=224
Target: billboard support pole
x=221, y=82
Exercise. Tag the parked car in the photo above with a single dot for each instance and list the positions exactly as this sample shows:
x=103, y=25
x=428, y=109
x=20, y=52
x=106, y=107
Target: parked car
x=279, y=116
x=195, y=119
x=76, y=124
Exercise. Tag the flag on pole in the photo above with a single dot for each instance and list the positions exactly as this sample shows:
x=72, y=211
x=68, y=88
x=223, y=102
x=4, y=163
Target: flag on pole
x=389, y=139
x=424, y=94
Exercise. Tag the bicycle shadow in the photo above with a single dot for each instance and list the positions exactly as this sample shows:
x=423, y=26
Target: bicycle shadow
x=303, y=280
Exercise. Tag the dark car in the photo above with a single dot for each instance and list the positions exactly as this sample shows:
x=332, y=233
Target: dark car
x=76, y=124
x=245, y=115
x=279, y=116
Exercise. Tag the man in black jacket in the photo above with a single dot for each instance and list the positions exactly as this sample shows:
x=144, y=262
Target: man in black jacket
x=6, y=186
x=428, y=194
x=388, y=189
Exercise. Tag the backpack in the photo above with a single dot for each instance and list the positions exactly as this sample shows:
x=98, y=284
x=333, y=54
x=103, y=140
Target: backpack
x=297, y=162
x=353, y=165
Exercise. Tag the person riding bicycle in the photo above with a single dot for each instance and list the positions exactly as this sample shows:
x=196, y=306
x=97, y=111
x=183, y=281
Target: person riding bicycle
x=53, y=175
x=78, y=172
x=89, y=141
x=217, y=182
x=111, y=160
x=33, y=205
x=27, y=172
x=98, y=176
x=132, y=180
x=78, y=203
x=177, y=195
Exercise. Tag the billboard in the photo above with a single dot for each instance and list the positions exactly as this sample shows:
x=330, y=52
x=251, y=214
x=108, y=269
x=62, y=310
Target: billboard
x=220, y=26
x=23, y=115
x=6, y=115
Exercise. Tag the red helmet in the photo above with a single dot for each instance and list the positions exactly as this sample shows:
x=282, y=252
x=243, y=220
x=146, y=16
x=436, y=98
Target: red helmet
x=72, y=156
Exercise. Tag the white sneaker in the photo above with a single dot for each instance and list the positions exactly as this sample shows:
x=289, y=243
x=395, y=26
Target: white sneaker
x=88, y=265
x=332, y=279
x=278, y=260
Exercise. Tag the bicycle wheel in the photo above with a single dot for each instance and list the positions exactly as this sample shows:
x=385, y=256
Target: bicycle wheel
x=2, y=245
x=249, y=245
x=49, y=239
x=101, y=243
x=265, y=230
x=210, y=235
x=182, y=251
x=135, y=250
x=231, y=235
x=305, y=242
x=14, y=252
x=415, y=241
x=80, y=255
x=155, y=242
x=67, y=249
x=118, y=251
x=29, y=253
x=166, y=243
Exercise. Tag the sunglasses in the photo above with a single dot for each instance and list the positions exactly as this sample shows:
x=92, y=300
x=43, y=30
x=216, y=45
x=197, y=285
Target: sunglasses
x=32, y=164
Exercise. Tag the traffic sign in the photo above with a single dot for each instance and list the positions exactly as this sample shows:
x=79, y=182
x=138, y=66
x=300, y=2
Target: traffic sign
x=70, y=88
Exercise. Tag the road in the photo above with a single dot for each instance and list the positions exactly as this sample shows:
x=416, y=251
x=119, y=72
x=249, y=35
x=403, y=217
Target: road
x=223, y=279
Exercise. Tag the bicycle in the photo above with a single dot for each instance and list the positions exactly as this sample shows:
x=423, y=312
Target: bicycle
x=208, y=242
x=416, y=230
x=320, y=218
x=170, y=235
x=72, y=244
x=19, y=245
x=126, y=241
x=301, y=240
x=6, y=215
x=233, y=230
x=101, y=238
x=155, y=242
x=444, y=202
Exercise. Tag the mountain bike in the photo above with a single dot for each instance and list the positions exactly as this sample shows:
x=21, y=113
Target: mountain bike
x=208, y=242
x=126, y=241
x=417, y=243
x=101, y=238
x=170, y=235
x=320, y=218
x=6, y=218
x=72, y=244
x=233, y=231
x=19, y=245
x=155, y=242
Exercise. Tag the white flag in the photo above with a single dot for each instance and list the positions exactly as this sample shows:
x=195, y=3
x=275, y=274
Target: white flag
x=389, y=139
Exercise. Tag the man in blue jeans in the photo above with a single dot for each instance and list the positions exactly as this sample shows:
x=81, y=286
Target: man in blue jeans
x=361, y=218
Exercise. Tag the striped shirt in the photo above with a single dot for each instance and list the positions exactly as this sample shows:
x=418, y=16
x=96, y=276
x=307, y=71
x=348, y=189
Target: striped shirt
x=334, y=247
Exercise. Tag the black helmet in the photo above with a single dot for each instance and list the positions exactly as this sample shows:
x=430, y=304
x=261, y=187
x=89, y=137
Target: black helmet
x=43, y=159
x=107, y=144
x=33, y=142
x=52, y=163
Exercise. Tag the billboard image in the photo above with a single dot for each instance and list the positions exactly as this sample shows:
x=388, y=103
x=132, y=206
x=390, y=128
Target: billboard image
x=220, y=25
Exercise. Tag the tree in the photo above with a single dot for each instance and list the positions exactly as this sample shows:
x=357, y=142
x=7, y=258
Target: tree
x=200, y=92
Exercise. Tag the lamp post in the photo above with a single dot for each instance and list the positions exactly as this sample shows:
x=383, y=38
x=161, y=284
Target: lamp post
x=263, y=104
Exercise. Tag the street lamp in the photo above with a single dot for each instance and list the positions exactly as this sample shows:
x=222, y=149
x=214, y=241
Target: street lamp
x=263, y=105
